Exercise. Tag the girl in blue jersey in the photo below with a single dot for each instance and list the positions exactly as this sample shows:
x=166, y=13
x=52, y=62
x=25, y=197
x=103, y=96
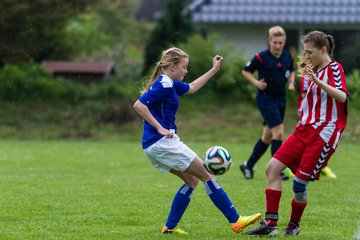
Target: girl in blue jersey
x=164, y=149
x=275, y=69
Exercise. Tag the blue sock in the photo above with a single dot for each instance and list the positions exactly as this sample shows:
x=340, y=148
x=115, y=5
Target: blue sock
x=275, y=145
x=221, y=200
x=179, y=205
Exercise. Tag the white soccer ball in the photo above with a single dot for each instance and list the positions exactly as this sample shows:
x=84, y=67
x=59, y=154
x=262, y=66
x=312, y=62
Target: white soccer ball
x=217, y=160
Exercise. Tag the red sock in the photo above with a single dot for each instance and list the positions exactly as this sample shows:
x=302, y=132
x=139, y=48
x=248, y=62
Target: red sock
x=297, y=211
x=272, y=206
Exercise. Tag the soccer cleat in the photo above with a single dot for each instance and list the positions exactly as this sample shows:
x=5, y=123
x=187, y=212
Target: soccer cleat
x=284, y=177
x=328, y=172
x=244, y=221
x=176, y=230
x=254, y=167
x=291, y=230
x=263, y=230
x=288, y=172
x=248, y=173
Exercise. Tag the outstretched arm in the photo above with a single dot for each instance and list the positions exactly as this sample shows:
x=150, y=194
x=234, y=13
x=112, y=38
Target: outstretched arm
x=201, y=81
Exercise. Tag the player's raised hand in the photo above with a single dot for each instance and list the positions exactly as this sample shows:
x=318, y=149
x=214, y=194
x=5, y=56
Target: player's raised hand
x=217, y=62
x=311, y=75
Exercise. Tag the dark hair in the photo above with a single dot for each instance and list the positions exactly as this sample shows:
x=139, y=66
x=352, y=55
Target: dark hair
x=320, y=39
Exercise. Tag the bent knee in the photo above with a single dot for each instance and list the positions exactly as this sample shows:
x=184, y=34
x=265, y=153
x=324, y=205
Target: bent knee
x=192, y=182
x=269, y=170
x=273, y=170
x=278, y=135
x=277, y=132
x=266, y=138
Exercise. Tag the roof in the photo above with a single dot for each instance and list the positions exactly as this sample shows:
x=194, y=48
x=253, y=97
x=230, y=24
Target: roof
x=149, y=10
x=277, y=11
x=101, y=67
x=343, y=12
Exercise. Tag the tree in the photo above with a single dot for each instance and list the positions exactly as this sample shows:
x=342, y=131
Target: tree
x=35, y=30
x=349, y=53
x=174, y=26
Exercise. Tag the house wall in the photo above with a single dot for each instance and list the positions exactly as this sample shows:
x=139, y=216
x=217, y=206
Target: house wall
x=252, y=38
x=248, y=39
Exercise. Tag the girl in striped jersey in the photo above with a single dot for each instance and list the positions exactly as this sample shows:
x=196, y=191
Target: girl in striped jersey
x=304, y=85
x=323, y=116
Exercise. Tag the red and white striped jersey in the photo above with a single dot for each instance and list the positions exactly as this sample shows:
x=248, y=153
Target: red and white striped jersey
x=304, y=85
x=323, y=112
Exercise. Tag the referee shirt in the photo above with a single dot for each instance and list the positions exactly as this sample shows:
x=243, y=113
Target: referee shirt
x=275, y=71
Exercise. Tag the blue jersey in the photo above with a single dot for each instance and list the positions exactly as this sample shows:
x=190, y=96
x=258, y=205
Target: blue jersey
x=163, y=103
x=275, y=71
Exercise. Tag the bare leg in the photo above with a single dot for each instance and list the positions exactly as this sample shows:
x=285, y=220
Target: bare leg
x=198, y=170
x=273, y=170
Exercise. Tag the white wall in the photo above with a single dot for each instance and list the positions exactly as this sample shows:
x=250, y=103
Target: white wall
x=248, y=39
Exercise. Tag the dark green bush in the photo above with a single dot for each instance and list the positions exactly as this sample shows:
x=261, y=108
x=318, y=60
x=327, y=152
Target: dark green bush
x=111, y=90
x=176, y=17
x=128, y=60
x=228, y=83
x=30, y=82
x=353, y=86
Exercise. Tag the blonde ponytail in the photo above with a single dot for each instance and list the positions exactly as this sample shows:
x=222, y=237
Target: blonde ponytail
x=157, y=72
x=302, y=64
x=169, y=56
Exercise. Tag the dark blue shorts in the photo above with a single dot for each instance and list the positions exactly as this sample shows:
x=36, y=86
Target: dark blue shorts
x=272, y=109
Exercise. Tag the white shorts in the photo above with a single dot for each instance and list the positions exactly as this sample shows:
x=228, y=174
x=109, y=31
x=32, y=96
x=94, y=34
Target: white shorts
x=170, y=153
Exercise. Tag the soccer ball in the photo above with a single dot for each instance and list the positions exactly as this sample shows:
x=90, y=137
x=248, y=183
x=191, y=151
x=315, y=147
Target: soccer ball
x=217, y=160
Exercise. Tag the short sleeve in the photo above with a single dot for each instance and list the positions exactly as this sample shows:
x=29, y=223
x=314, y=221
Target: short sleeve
x=253, y=64
x=157, y=92
x=291, y=62
x=181, y=88
x=339, y=77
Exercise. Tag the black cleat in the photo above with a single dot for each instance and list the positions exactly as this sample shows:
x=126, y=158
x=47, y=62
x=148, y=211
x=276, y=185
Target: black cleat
x=248, y=173
x=263, y=230
x=291, y=230
x=284, y=177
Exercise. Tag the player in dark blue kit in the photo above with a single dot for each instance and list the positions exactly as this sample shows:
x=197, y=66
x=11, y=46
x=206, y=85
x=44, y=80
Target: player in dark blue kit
x=275, y=71
x=162, y=146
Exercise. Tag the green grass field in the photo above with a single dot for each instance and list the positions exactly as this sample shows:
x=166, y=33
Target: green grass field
x=108, y=190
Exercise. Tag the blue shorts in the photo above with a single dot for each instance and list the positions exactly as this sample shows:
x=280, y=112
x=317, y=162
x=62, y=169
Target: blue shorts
x=272, y=109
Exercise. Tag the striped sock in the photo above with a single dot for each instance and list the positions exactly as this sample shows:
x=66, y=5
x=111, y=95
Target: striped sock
x=272, y=206
x=297, y=211
x=179, y=205
x=221, y=200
